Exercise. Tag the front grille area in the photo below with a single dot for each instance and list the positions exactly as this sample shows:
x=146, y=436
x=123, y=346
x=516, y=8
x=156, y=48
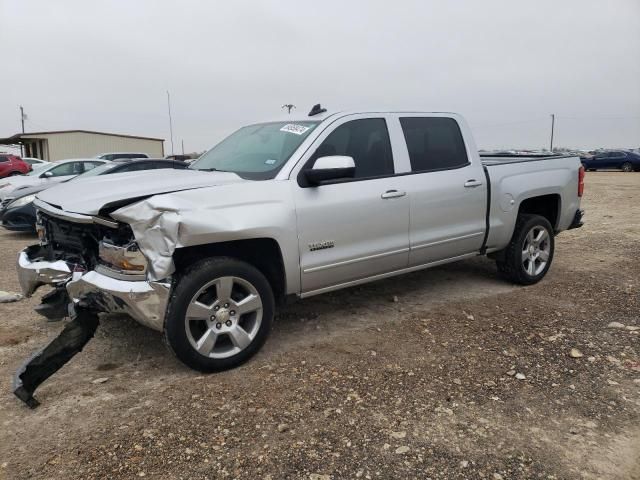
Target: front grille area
x=77, y=243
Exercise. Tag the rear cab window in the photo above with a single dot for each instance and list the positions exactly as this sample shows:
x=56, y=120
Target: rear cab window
x=434, y=143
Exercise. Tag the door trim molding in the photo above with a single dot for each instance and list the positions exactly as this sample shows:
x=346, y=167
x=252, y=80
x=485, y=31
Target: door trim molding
x=447, y=240
x=381, y=276
x=353, y=260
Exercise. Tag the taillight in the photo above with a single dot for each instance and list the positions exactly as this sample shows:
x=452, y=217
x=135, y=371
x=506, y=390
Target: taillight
x=580, y=180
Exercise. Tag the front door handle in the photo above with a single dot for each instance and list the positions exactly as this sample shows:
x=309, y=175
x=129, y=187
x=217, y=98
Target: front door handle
x=472, y=183
x=393, y=194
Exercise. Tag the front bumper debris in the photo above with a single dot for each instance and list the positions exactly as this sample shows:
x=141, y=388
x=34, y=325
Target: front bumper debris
x=145, y=301
x=34, y=272
x=47, y=361
x=83, y=296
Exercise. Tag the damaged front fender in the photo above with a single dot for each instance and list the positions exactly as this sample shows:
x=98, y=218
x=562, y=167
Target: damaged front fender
x=225, y=213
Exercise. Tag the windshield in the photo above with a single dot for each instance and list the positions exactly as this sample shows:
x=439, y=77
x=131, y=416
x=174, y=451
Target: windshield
x=256, y=151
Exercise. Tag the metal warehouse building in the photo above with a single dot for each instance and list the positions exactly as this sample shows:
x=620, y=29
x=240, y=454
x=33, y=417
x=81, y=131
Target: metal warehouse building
x=62, y=144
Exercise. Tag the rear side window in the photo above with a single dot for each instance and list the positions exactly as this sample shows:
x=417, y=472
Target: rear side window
x=434, y=143
x=90, y=165
x=366, y=141
x=4, y=158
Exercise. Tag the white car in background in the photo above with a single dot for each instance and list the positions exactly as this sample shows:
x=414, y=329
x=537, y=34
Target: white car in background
x=54, y=172
x=36, y=163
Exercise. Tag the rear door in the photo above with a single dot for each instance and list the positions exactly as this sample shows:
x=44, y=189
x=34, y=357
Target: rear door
x=447, y=192
x=355, y=228
x=615, y=159
x=600, y=160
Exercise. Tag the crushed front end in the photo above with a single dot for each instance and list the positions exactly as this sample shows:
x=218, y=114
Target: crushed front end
x=96, y=262
x=94, y=265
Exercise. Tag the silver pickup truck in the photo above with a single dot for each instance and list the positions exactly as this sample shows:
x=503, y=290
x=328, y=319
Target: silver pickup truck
x=286, y=208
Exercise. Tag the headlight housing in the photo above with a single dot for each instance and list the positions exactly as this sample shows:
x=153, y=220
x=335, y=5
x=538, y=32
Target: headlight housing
x=125, y=260
x=22, y=201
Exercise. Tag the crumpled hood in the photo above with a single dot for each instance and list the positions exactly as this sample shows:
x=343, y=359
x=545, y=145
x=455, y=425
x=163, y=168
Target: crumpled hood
x=89, y=196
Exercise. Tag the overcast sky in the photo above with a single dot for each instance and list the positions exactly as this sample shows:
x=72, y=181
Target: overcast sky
x=506, y=65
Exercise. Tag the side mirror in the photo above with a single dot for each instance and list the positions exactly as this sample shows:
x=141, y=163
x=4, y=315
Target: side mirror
x=330, y=168
x=46, y=175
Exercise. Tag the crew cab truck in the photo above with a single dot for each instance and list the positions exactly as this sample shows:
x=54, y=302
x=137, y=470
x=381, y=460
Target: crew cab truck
x=296, y=207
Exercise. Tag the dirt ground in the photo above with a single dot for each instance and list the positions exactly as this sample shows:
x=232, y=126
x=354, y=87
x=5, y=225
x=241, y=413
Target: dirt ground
x=446, y=373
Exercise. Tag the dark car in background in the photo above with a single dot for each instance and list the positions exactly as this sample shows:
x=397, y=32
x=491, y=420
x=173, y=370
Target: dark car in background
x=18, y=213
x=11, y=165
x=613, y=159
x=121, y=155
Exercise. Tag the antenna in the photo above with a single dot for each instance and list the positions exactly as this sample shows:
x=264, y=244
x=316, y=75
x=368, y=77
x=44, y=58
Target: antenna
x=317, y=110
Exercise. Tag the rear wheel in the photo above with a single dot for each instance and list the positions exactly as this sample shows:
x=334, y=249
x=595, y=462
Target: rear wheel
x=528, y=256
x=220, y=314
x=627, y=167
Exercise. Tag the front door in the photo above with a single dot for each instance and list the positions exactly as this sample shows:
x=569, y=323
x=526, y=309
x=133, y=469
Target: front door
x=356, y=228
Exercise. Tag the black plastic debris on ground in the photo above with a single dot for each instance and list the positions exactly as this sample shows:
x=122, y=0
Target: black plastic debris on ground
x=47, y=361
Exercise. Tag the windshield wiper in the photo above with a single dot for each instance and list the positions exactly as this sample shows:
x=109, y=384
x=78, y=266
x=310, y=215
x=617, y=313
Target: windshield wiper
x=212, y=169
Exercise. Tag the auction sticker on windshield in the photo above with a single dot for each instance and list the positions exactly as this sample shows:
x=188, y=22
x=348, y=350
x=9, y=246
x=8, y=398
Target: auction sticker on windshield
x=293, y=128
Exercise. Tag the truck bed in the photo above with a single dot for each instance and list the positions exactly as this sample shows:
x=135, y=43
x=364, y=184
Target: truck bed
x=500, y=159
x=512, y=178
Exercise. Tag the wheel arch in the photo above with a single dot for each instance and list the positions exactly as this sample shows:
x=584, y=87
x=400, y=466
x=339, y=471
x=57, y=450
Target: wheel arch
x=548, y=206
x=263, y=253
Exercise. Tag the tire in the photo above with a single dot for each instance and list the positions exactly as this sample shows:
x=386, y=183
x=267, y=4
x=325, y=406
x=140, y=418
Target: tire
x=516, y=264
x=227, y=337
x=627, y=167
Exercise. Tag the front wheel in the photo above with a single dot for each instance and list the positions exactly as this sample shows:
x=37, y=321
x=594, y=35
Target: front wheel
x=627, y=167
x=528, y=256
x=220, y=314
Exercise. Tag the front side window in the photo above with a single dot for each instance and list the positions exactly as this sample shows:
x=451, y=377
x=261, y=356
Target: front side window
x=434, y=143
x=366, y=141
x=257, y=151
x=69, y=168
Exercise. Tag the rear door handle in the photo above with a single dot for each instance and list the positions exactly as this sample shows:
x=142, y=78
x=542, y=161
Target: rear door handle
x=472, y=183
x=393, y=194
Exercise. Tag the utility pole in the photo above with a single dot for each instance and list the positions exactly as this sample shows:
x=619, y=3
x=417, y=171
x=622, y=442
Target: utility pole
x=22, y=122
x=183, y=146
x=553, y=122
x=170, y=124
